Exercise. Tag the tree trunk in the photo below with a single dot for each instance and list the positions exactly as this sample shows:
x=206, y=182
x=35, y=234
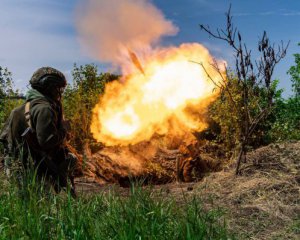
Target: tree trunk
x=242, y=153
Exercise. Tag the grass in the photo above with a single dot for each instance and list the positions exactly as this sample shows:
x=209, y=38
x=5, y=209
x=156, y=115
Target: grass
x=33, y=213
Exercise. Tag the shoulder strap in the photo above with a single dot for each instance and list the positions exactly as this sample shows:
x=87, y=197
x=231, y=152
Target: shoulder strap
x=27, y=114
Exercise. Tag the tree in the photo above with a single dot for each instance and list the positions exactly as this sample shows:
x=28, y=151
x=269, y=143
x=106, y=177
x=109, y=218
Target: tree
x=253, y=79
x=6, y=83
x=287, y=124
x=80, y=97
x=294, y=71
x=9, y=97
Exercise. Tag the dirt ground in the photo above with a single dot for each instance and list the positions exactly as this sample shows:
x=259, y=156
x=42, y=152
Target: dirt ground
x=263, y=202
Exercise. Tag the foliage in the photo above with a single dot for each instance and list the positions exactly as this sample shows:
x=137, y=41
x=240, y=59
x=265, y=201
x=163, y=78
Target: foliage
x=294, y=71
x=261, y=135
x=7, y=95
x=286, y=112
x=253, y=79
x=143, y=214
x=287, y=123
x=80, y=98
x=227, y=118
x=6, y=83
x=221, y=112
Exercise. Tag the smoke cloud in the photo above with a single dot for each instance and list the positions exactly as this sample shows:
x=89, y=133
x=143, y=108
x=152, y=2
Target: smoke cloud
x=109, y=28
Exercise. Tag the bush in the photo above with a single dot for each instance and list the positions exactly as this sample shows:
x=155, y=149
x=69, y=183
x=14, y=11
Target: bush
x=7, y=95
x=294, y=72
x=228, y=117
x=287, y=123
x=287, y=115
x=80, y=97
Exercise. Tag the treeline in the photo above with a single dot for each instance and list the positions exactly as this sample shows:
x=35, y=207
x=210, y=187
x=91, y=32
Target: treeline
x=282, y=122
x=81, y=95
x=249, y=109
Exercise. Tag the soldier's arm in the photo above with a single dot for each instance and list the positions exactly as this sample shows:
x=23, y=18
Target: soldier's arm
x=48, y=135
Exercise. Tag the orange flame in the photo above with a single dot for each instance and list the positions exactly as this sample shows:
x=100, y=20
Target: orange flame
x=162, y=100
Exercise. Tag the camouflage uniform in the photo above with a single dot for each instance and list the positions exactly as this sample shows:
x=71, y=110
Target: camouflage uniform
x=44, y=140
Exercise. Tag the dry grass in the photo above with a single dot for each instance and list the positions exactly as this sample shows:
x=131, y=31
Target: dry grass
x=261, y=203
x=264, y=201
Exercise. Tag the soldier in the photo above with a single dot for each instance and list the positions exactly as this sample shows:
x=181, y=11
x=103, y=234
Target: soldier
x=37, y=130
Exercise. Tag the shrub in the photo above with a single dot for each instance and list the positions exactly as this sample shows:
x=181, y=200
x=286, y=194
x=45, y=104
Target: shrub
x=80, y=98
x=287, y=123
x=228, y=117
x=8, y=95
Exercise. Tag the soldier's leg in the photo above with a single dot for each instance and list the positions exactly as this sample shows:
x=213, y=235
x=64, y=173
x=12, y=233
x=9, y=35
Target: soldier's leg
x=67, y=168
x=66, y=163
x=7, y=166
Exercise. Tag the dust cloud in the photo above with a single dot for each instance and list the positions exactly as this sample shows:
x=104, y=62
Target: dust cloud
x=107, y=29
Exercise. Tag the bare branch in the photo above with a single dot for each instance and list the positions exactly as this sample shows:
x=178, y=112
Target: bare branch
x=252, y=76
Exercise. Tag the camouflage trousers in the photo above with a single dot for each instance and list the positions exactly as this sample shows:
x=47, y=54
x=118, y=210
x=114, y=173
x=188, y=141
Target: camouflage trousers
x=11, y=166
x=55, y=170
x=58, y=168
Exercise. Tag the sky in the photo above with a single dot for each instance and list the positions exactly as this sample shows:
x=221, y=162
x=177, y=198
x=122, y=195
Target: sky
x=37, y=33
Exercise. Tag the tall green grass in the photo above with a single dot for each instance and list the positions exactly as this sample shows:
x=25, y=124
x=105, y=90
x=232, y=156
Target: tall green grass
x=31, y=212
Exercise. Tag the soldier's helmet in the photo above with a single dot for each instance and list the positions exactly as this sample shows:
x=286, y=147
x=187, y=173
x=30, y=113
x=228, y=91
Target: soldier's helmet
x=45, y=77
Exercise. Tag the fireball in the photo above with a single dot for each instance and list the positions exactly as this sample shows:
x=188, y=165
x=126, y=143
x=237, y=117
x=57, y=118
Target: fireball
x=166, y=93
